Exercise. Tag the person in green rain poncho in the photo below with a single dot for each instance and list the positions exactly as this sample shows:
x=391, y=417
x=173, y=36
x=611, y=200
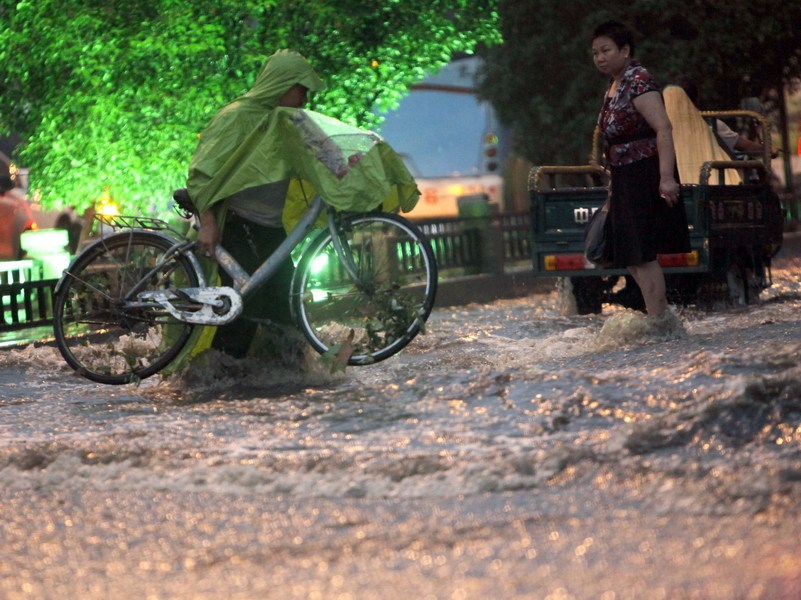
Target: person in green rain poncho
x=249, y=220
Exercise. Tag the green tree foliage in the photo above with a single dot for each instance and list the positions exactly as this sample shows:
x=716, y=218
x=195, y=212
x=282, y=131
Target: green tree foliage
x=111, y=94
x=544, y=85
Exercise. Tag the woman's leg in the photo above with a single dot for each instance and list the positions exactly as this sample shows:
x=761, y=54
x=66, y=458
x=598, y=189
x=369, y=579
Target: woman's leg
x=651, y=279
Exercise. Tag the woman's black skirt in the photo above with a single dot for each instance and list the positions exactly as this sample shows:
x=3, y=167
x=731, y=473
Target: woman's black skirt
x=642, y=223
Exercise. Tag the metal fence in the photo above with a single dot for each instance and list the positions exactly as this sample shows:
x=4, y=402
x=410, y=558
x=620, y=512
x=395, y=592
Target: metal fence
x=479, y=244
x=25, y=298
x=462, y=246
x=28, y=304
x=516, y=231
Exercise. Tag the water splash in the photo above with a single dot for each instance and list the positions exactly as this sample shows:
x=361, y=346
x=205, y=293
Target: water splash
x=280, y=361
x=631, y=327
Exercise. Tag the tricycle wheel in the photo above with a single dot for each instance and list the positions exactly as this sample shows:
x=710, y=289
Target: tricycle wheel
x=682, y=288
x=588, y=293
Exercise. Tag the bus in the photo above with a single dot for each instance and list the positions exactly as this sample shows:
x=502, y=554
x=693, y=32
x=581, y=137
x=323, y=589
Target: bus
x=452, y=142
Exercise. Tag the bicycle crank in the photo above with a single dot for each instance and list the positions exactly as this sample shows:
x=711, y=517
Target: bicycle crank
x=218, y=305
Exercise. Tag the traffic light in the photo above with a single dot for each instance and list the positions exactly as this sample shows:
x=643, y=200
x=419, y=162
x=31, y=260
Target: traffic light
x=490, y=152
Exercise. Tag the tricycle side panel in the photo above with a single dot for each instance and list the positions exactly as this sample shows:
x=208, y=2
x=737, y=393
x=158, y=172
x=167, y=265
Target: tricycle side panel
x=737, y=215
x=559, y=216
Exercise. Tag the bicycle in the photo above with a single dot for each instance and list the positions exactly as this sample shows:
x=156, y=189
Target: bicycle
x=128, y=303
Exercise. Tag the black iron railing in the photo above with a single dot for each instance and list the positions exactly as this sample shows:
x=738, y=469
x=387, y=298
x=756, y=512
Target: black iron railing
x=26, y=304
x=479, y=244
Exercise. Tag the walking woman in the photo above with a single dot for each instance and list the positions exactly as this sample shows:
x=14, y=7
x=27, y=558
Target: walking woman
x=646, y=210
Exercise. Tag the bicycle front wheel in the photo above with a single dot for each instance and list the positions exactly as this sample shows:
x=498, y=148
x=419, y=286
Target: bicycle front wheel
x=379, y=312
x=101, y=329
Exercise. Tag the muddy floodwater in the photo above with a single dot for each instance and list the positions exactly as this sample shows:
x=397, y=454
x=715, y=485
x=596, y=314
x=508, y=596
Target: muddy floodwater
x=511, y=452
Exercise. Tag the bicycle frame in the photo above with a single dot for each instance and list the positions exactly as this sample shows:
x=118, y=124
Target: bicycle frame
x=245, y=283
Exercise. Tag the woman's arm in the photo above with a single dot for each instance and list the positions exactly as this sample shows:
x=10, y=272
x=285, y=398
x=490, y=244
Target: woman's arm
x=209, y=234
x=651, y=107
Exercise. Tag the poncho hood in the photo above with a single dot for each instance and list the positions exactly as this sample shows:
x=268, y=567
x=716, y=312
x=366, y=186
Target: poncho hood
x=282, y=70
x=252, y=142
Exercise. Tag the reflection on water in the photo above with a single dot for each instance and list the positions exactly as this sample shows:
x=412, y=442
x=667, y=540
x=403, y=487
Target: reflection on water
x=511, y=452
x=507, y=396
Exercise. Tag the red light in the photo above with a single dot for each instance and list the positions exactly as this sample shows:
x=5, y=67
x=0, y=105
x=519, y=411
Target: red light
x=565, y=262
x=577, y=262
x=689, y=259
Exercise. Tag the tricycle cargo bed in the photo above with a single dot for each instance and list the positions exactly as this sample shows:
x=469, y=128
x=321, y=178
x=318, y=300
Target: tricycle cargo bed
x=729, y=224
x=558, y=218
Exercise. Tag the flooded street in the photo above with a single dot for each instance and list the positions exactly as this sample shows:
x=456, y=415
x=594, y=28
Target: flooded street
x=510, y=452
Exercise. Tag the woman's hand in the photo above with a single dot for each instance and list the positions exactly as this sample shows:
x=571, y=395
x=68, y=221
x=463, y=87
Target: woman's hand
x=209, y=235
x=669, y=190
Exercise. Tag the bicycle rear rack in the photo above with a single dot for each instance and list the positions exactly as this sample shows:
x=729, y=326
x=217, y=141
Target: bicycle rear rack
x=135, y=222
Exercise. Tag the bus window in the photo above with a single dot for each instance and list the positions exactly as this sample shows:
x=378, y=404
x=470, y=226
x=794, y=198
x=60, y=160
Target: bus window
x=441, y=130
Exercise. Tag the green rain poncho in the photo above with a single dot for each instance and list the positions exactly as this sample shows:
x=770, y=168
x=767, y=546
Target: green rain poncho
x=251, y=142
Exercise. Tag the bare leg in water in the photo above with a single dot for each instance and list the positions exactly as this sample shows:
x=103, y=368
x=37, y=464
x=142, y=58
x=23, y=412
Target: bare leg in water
x=651, y=279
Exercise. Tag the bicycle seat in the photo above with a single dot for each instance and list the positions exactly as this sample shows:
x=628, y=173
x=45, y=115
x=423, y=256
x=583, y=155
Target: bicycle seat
x=183, y=201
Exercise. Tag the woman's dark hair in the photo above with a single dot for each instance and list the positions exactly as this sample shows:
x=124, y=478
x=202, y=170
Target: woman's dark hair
x=617, y=32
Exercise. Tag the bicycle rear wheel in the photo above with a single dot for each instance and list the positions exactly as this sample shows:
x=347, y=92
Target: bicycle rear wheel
x=384, y=310
x=100, y=328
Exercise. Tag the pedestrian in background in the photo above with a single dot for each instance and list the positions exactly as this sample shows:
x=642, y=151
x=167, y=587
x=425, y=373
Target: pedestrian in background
x=15, y=217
